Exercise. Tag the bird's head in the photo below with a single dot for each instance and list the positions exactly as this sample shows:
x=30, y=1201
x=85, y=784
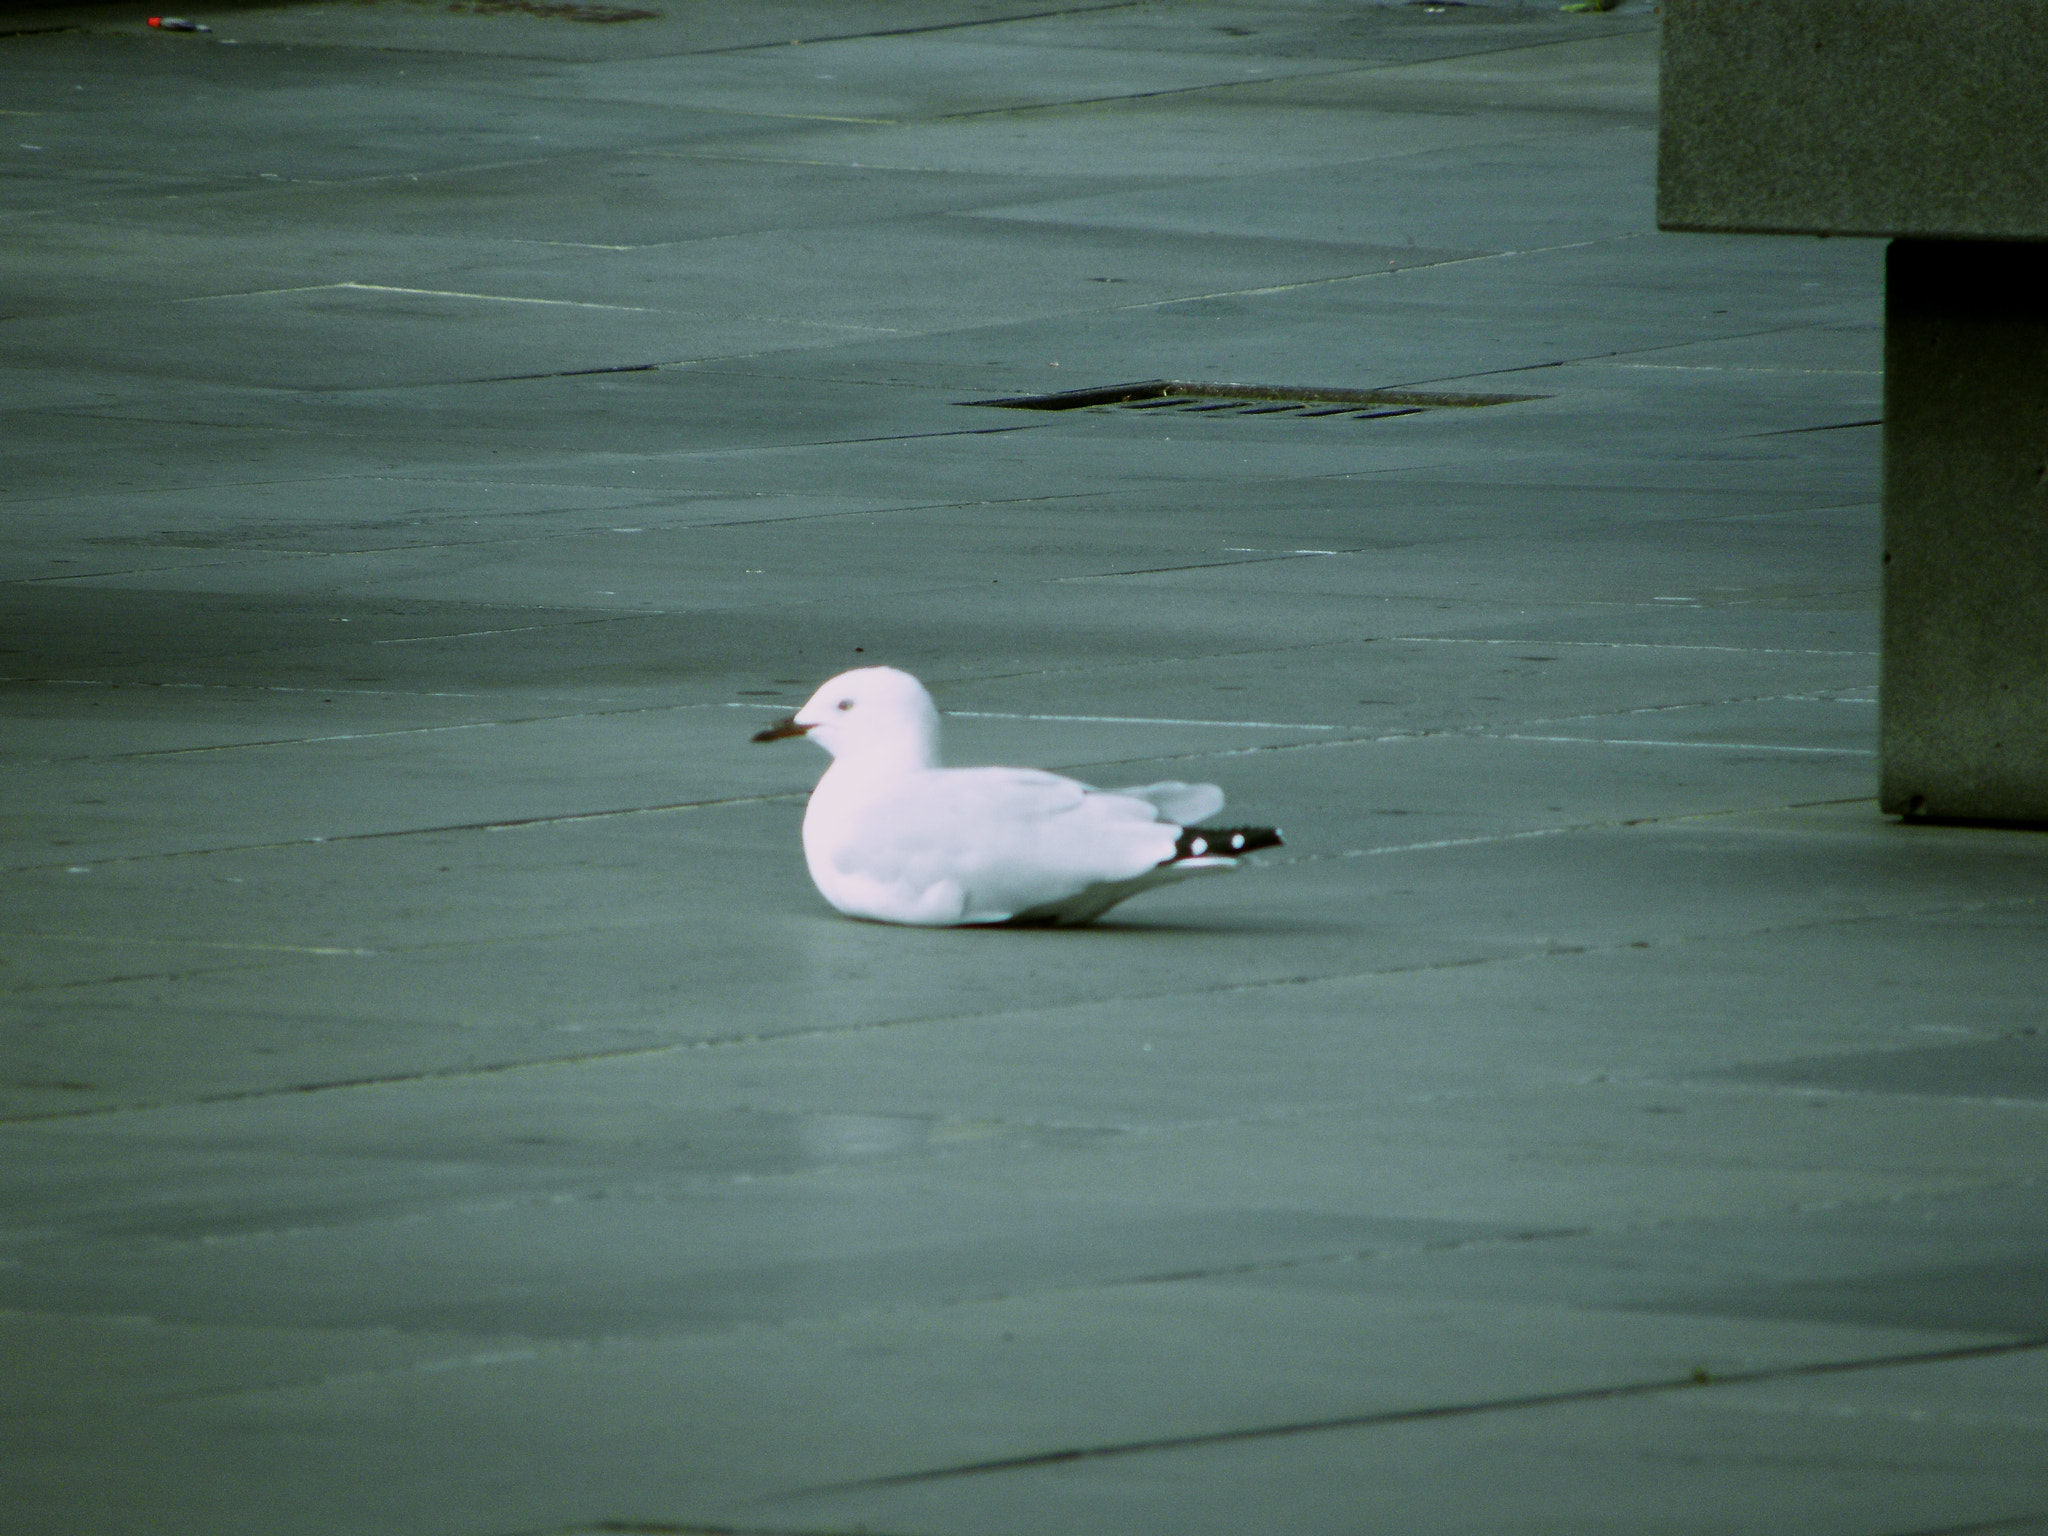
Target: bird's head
x=872, y=714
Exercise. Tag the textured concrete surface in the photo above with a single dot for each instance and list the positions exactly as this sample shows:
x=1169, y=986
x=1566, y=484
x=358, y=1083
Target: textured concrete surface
x=1964, y=727
x=1856, y=117
x=435, y=1100
x=1923, y=121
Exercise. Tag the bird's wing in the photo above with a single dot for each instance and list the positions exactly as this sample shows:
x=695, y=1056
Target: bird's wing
x=1010, y=838
x=927, y=826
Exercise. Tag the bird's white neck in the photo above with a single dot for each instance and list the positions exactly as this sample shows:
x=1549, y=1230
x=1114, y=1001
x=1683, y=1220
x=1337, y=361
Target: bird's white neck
x=908, y=752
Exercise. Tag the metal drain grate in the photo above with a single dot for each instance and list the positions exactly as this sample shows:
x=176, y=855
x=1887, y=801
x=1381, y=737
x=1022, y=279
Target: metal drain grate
x=1253, y=400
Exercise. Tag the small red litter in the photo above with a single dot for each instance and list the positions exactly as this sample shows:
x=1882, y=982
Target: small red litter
x=178, y=24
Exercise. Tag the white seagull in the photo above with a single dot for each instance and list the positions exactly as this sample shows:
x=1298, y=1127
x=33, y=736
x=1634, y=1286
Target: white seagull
x=892, y=836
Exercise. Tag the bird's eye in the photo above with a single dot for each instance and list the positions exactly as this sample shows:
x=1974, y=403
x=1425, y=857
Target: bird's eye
x=846, y=703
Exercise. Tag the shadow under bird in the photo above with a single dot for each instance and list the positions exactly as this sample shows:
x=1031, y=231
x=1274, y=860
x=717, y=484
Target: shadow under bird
x=892, y=836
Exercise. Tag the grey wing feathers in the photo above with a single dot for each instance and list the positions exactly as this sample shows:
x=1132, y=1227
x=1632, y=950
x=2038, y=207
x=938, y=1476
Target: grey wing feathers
x=1178, y=802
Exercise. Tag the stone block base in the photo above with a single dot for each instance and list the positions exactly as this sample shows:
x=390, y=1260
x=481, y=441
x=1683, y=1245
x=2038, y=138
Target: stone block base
x=1964, y=703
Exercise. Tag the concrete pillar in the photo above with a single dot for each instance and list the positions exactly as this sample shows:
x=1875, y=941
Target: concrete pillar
x=1964, y=702
x=1925, y=121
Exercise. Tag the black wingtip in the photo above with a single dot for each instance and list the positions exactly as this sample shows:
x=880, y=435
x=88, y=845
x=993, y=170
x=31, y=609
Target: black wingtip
x=1224, y=842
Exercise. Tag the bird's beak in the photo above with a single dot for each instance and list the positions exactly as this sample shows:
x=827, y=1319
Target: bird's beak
x=786, y=726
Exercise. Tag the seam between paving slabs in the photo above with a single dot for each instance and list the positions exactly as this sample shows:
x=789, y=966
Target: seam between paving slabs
x=491, y=1069
x=935, y=26
x=1309, y=858
x=248, y=552
x=1092, y=668
x=1348, y=67
x=1471, y=733
x=169, y=542
x=1811, y=1091
x=1243, y=398
x=957, y=330
x=1098, y=668
x=503, y=824
x=1353, y=66
x=1697, y=1380
x=1362, y=737
x=522, y=823
x=1698, y=1377
x=407, y=730
x=696, y=362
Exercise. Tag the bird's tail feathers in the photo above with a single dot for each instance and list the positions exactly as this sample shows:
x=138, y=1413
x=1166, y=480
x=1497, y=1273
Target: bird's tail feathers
x=1223, y=842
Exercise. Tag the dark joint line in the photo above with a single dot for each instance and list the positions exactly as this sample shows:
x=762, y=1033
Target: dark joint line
x=1170, y=390
x=1444, y=1411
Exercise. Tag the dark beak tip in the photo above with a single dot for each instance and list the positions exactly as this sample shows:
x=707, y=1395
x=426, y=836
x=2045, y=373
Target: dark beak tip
x=781, y=729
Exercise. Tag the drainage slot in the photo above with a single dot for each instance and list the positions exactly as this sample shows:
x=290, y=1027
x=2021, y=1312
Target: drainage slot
x=1253, y=400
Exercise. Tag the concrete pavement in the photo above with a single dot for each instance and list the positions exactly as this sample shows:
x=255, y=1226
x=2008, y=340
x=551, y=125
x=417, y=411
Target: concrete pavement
x=435, y=1099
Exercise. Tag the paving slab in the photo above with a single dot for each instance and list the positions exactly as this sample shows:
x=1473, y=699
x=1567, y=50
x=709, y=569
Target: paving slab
x=803, y=1399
